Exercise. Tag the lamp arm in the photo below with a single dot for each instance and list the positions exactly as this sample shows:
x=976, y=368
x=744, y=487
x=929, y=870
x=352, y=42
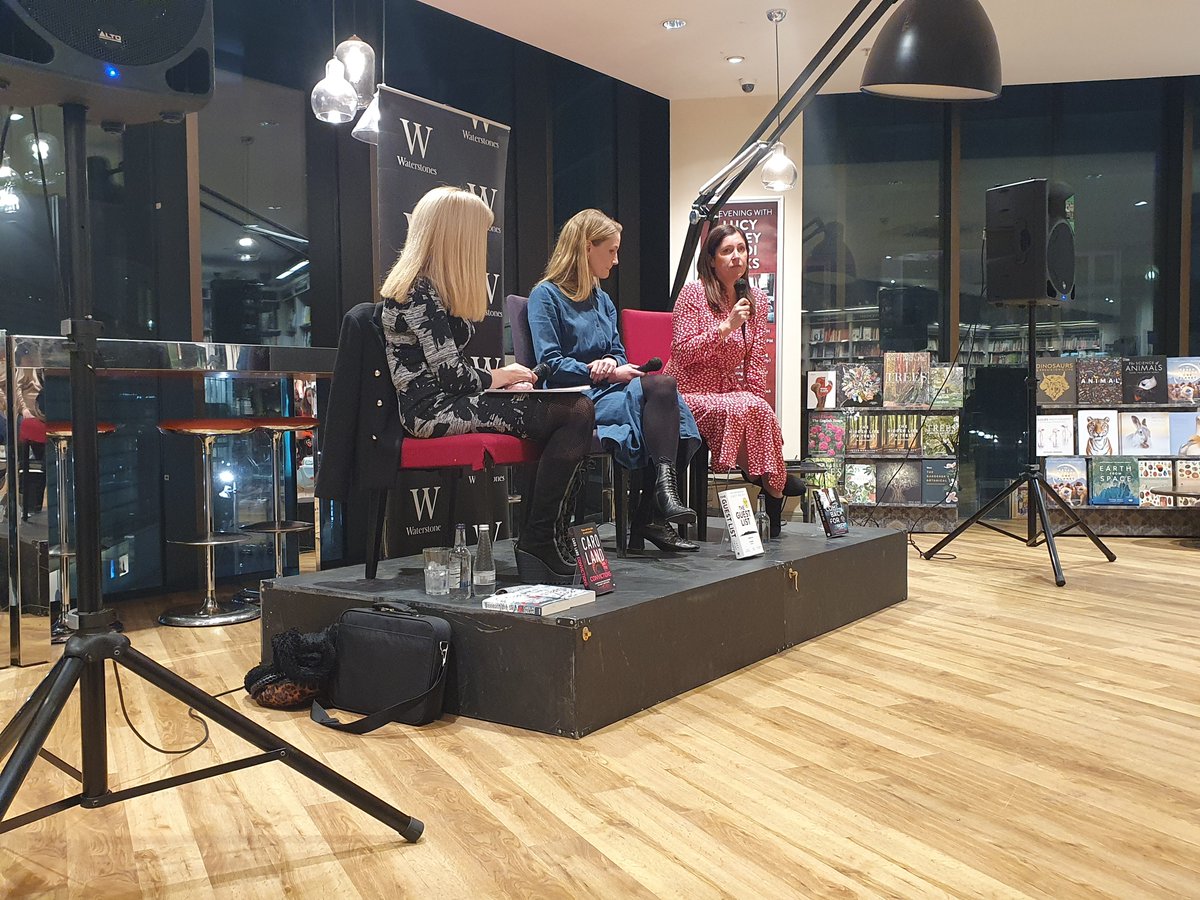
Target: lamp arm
x=718, y=189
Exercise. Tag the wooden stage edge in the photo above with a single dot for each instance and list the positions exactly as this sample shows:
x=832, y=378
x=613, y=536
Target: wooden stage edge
x=674, y=622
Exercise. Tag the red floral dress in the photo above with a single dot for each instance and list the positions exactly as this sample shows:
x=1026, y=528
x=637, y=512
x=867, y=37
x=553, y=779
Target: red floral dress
x=724, y=381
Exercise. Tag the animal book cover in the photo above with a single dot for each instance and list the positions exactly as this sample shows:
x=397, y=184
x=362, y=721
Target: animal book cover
x=860, y=483
x=1185, y=433
x=862, y=431
x=1068, y=476
x=826, y=433
x=1144, y=379
x=939, y=435
x=939, y=481
x=1183, y=379
x=1114, y=481
x=900, y=433
x=1155, y=474
x=898, y=482
x=1145, y=433
x=1098, y=432
x=860, y=384
x=589, y=556
x=1187, y=478
x=1055, y=381
x=822, y=389
x=906, y=380
x=1098, y=380
x=946, y=387
x=1055, y=435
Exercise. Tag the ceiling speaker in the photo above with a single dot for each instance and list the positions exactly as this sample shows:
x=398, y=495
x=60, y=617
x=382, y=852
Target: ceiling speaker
x=128, y=61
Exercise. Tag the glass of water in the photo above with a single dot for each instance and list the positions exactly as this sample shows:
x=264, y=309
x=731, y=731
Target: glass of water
x=437, y=571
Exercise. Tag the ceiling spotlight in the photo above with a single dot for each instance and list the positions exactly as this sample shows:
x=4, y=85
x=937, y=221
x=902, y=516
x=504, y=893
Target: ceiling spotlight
x=735, y=60
x=15, y=117
x=246, y=242
x=672, y=24
x=1141, y=203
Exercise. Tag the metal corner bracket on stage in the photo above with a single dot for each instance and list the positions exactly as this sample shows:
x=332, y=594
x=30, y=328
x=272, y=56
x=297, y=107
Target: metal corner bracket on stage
x=1039, y=529
x=85, y=653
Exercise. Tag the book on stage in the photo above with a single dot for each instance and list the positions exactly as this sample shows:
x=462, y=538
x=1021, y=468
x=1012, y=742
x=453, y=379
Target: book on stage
x=538, y=599
x=739, y=519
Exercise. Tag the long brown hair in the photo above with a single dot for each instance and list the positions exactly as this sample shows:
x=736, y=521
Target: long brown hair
x=713, y=291
x=568, y=269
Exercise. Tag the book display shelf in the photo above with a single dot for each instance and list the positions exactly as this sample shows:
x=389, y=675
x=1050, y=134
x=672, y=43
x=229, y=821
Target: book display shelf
x=1112, y=431
x=887, y=435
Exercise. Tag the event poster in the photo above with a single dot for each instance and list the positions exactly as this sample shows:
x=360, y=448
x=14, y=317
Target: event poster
x=423, y=145
x=759, y=219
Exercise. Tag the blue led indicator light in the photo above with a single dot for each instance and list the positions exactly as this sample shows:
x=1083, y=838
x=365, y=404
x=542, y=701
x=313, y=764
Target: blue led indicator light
x=112, y=72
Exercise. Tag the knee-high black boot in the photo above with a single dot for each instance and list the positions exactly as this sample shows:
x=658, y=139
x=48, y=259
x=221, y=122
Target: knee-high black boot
x=538, y=557
x=666, y=495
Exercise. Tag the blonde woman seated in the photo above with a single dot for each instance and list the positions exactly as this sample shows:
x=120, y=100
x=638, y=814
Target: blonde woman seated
x=718, y=356
x=433, y=296
x=642, y=420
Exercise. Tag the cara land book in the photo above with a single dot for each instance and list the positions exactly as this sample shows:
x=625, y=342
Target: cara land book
x=946, y=387
x=1098, y=381
x=1155, y=475
x=1098, y=432
x=831, y=512
x=860, y=384
x=1055, y=435
x=939, y=435
x=939, y=481
x=1068, y=475
x=860, y=483
x=1145, y=433
x=1185, y=434
x=739, y=520
x=906, y=380
x=1144, y=379
x=1055, y=381
x=589, y=556
x=538, y=599
x=1183, y=379
x=1114, y=481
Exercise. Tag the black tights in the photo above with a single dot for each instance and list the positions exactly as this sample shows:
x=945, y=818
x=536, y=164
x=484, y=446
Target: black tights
x=564, y=424
x=660, y=418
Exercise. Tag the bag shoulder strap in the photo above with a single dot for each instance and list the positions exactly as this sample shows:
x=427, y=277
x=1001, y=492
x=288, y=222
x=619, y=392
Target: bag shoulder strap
x=378, y=718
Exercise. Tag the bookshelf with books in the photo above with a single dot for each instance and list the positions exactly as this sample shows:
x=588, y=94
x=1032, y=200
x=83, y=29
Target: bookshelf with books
x=1113, y=430
x=1006, y=345
x=841, y=335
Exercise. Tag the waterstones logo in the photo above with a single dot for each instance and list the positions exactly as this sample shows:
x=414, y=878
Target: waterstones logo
x=492, y=281
x=484, y=193
x=417, y=136
x=478, y=138
x=485, y=362
x=425, y=501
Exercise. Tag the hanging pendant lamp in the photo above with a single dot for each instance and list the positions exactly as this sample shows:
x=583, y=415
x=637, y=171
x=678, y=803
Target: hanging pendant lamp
x=333, y=98
x=778, y=172
x=935, y=50
x=358, y=58
x=367, y=127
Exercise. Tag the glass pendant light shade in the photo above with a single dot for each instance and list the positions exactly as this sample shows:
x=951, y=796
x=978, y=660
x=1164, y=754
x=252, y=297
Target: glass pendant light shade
x=778, y=172
x=366, y=129
x=334, y=99
x=935, y=50
x=358, y=58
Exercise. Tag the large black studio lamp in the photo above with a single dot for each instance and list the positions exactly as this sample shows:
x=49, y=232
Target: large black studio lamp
x=935, y=50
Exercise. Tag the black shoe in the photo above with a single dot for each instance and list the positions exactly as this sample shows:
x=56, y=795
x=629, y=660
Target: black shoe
x=661, y=535
x=666, y=496
x=774, y=506
x=540, y=564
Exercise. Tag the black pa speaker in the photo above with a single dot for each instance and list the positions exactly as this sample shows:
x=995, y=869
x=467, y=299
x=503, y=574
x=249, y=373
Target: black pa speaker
x=1031, y=243
x=128, y=61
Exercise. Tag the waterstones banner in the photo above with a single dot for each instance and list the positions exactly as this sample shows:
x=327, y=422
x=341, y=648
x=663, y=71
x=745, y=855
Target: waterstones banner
x=423, y=145
x=759, y=219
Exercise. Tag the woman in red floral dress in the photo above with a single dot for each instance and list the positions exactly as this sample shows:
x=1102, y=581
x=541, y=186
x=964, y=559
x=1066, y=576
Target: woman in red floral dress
x=718, y=358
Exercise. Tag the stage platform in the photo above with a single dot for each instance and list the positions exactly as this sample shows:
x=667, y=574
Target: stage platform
x=675, y=622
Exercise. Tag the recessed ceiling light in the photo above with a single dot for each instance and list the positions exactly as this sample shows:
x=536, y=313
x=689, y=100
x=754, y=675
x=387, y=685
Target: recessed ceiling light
x=1141, y=203
x=267, y=123
x=15, y=117
x=672, y=24
x=274, y=208
x=734, y=60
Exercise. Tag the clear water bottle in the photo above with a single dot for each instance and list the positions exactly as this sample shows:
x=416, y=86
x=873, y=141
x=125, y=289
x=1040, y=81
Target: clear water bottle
x=460, y=564
x=485, y=563
x=763, y=520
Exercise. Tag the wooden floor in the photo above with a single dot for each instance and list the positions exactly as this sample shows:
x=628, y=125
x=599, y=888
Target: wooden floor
x=994, y=736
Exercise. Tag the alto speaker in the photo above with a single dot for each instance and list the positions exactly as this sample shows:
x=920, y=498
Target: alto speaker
x=1031, y=243
x=127, y=61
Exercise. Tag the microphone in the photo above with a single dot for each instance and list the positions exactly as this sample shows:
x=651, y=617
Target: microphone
x=653, y=364
x=541, y=372
x=741, y=291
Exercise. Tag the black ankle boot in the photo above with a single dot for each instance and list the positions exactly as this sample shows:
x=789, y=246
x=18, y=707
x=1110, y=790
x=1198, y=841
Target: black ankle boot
x=662, y=535
x=666, y=495
x=774, y=507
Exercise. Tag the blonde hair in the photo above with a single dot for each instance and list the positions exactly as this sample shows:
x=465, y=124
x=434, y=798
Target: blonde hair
x=568, y=269
x=446, y=243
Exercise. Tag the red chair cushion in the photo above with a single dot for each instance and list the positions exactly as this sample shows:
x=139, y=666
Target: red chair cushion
x=33, y=430
x=645, y=334
x=466, y=451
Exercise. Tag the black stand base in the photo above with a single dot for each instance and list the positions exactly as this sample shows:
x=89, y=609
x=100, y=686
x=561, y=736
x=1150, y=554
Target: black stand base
x=1038, y=519
x=83, y=663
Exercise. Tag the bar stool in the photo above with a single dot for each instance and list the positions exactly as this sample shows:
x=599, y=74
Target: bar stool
x=59, y=434
x=211, y=611
x=278, y=525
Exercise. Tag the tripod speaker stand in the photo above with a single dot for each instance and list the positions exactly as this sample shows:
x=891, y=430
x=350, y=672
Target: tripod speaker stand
x=1037, y=511
x=86, y=652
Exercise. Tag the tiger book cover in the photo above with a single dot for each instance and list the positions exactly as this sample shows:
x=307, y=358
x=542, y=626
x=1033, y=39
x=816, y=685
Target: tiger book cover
x=1155, y=475
x=859, y=384
x=1145, y=433
x=1098, y=380
x=1097, y=432
x=1183, y=379
x=906, y=379
x=1113, y=481
x=1068, y=476
x=1055, y=381
x=1144, y=379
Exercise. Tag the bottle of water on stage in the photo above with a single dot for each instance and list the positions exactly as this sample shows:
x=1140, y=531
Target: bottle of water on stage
x=763, y=522
x=460, y=564
x=485, y=563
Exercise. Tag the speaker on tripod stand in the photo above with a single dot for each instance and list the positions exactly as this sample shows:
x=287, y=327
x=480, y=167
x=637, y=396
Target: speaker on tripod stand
x=115, y=62
x=1030, y=263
